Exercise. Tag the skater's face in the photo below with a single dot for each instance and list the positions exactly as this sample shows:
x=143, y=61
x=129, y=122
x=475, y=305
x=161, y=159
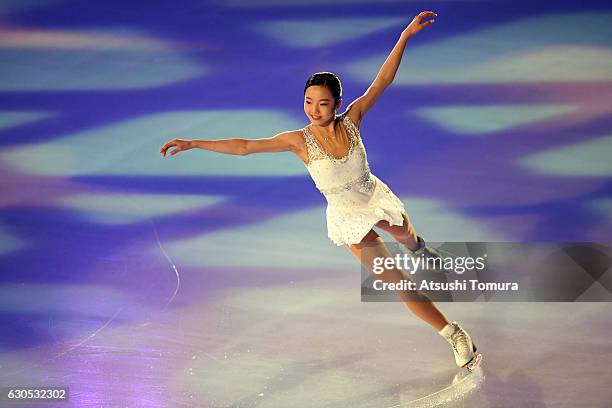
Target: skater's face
x=319, y=104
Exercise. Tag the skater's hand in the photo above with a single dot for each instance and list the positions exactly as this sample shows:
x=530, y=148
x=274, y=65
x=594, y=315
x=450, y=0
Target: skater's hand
x=419, y=22
x=179, y=144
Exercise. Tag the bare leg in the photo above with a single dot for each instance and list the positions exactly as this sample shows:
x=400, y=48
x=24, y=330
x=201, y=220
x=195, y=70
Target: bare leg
x=415, y=301
x=404, y=234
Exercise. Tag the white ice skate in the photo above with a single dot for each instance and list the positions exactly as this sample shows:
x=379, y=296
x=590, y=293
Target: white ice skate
x=463, y=347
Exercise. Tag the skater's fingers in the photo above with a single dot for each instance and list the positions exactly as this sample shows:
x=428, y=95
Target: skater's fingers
x=167, y=146
x=429, y=22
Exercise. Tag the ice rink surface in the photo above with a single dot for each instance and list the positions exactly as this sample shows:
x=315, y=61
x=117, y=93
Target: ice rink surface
x=208, y=280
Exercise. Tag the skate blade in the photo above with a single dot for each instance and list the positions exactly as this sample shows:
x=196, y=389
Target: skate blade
x=474, y=362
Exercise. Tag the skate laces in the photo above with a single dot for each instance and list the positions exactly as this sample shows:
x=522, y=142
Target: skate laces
x=460, y=340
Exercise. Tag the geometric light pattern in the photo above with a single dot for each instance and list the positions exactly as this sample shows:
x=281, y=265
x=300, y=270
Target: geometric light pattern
x=321, y=32
x=85, y=69
x=436, y=222
x=10, y=119
x=602, y=206
x=542, y=48
x=589, y=158
x=278, y=238
x=125, y=208
x=286, y=242
x=8, y=242
x=295, y=3
x=131, y=147
x=478, y=120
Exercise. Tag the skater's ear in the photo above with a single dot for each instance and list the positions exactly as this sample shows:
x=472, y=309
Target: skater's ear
x=338, y=103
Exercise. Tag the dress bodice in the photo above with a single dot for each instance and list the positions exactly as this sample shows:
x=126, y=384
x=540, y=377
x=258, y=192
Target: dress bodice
x=334, y=175
x=356, y=198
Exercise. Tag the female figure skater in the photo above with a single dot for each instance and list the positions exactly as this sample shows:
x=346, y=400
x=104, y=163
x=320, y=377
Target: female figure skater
x=333, y=153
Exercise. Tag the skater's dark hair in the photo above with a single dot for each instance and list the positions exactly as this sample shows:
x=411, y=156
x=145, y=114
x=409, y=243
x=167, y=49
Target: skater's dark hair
x=329, y=80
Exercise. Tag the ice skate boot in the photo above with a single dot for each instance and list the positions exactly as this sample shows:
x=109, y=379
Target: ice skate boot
x=463, y=347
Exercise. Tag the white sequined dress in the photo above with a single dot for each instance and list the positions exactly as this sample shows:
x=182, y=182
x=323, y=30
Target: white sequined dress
x=356, y=198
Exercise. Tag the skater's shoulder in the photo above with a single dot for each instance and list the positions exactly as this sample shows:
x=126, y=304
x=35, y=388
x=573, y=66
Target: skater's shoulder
x=353, y=117
x=294, y=137
x=291, y=135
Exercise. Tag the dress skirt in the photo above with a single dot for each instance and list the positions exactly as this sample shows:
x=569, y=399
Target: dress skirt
x=352, y=214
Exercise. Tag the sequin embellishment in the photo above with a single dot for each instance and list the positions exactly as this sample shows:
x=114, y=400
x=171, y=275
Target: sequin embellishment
x=316, y=152
x=356, y=198
x=363, y=183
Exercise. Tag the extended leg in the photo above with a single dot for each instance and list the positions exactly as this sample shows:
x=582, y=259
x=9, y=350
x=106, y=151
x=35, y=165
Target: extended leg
x=415, y=301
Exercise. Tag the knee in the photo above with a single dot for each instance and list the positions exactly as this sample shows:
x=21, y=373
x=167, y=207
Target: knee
x=409, y=233
x=409, y=227
x=370, y=238
x=409, y=239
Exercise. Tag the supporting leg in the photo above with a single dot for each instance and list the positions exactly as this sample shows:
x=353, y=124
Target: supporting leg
x=415, y=301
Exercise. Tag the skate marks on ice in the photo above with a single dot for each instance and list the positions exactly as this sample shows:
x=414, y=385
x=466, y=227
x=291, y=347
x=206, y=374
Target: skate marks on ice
x=176, y=272
x=463, y=384
x=82, y=341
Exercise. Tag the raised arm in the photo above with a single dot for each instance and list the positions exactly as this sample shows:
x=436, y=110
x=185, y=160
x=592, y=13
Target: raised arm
x=281, y=142
x=387, y=72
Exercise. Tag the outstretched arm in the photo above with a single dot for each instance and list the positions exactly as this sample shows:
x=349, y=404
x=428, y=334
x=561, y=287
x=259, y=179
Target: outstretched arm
x=281, y=142
x=387, y=72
